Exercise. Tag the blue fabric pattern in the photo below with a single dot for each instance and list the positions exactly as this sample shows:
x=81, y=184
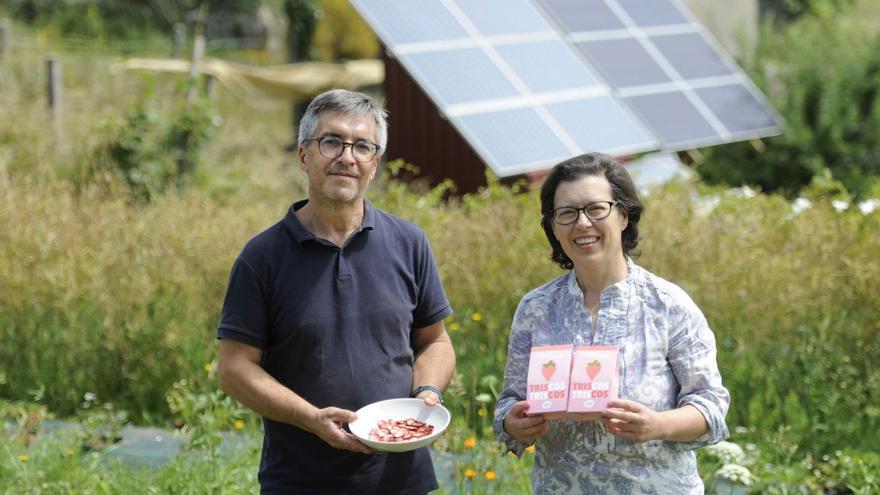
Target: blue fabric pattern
x=667, y=360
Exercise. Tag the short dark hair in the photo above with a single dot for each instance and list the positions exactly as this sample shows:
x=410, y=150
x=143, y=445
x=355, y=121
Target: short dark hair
x=623, y=191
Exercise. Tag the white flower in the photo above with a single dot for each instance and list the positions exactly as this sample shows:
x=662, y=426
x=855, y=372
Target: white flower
x=735, y=473
x=869, y=205
x=705, y=205
x=801, y=204
x=743, y=192
x=839, y=204
x=727, y=452
x=89, y=396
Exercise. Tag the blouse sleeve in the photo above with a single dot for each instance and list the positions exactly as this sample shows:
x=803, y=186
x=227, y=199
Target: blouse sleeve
x=692, y=356
x=515, y=377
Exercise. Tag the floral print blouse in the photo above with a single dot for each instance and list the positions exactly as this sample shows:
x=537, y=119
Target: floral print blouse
x=667, y=360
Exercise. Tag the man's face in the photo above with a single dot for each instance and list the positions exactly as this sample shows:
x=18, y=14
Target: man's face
x=342, y=180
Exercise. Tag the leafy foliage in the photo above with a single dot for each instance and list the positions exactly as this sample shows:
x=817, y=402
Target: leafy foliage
x=823, y=75
x=154, y=152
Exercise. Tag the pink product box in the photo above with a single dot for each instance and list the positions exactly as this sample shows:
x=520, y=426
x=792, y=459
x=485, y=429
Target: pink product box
x=595, y=378
x=547, y=386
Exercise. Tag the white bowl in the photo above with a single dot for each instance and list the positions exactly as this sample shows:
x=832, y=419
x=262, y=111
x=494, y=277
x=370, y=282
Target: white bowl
x=396, y=409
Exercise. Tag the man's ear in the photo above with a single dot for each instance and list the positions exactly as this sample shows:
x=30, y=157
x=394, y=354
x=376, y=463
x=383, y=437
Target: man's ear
x=301, y=153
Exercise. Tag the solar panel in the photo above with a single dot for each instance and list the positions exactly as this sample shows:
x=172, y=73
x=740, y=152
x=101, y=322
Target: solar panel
x=530, y=82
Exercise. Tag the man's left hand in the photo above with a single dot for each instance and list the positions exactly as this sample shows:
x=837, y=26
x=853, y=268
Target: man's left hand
x=429, y=397
x=632, y=421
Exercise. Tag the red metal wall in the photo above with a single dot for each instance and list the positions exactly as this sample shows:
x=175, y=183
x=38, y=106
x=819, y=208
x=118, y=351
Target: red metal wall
x=418, y=134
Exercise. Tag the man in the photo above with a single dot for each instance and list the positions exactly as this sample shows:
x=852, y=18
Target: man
x=336, y=306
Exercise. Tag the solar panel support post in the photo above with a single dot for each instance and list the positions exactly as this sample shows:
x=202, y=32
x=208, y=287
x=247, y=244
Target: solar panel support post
x=758, y=145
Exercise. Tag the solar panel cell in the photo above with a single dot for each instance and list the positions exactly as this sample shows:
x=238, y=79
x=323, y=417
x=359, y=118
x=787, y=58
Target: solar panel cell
x=737, y=108
x=691, y=55
x=647, y=13
x=624, y=62
x=459, y=76
x=582, y=15
x=547, y=66
x=601, y=124
x=493, y=17
x=673, y=119
x=513, y=139
x=407, y=21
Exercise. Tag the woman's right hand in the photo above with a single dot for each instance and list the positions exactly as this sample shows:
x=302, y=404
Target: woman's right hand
x=523, y=427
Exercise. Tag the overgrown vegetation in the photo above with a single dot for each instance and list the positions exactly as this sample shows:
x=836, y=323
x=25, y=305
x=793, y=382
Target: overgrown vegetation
x=822, y=73
x=110, y=290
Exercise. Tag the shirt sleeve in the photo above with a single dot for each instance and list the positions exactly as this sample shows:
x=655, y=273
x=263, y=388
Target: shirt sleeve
x=245, y=309
x=692, y=356
x=515, y=378
x=432, y=304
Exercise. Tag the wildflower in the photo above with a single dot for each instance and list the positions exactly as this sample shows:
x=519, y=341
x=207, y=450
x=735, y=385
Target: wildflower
x=470, y=442
x=727, y=452
x=489, y=475
x=839, y=205
x=454, y=326
x=481, y=412
x=89, y=397
x=476, y=317
x=869, y=205
x=470, y=473
x=801, y=204
x=239, y=424
x=483, y=398
x=209, y=367
x=530, y=448
x=23, y=458
x=735, y=473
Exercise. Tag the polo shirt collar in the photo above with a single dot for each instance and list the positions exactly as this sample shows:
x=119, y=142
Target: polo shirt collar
x=301, y=234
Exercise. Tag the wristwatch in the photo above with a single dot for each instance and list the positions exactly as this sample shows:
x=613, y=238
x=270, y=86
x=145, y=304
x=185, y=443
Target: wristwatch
x=422, y=388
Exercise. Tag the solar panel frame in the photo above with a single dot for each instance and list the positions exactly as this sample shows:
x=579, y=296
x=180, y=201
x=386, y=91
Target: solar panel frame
x=477, y=31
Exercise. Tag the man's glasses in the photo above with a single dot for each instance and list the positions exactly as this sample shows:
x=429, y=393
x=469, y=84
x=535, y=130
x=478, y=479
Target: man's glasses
x=332, y=147
x=597, y=210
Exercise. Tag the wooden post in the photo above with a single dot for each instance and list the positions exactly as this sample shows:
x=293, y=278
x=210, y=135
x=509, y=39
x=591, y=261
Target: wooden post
x=198, y=55
x=54, y=97
x=179, y=40
x=5, y=39
x=210, y=86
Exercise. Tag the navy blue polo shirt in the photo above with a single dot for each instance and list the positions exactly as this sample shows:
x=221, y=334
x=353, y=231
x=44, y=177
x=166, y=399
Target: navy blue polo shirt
x=336, y=325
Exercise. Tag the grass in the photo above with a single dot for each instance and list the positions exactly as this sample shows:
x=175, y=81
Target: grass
x=103, y=293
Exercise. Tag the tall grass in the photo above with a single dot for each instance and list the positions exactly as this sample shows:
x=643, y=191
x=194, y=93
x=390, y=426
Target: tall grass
x=103, y=293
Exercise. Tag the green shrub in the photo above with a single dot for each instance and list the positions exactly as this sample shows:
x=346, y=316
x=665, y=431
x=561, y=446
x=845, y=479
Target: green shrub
x=822, y=74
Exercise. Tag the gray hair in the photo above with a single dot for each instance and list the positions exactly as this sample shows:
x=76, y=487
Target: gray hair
x=344, y=101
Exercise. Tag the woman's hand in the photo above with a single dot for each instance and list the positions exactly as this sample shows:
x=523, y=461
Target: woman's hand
x=632, y=421
x=523, y=427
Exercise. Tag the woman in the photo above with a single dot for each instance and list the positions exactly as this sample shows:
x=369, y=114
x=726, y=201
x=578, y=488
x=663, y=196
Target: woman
x=671, y=397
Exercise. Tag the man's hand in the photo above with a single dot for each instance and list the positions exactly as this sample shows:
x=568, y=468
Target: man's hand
x=632, y=421
x=523, y=427
x=327, y=423
x=429, y=397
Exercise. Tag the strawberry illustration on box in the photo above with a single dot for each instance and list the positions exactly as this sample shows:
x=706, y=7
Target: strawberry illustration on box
x=549, y=368
x=595, y=378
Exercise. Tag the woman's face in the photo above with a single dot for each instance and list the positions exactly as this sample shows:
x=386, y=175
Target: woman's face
x=589, y=242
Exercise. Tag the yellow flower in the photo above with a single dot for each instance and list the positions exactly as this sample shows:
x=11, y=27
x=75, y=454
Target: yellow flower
x=209, y=367
x=530, y=448
x=454, y=326
x=23, y=458
x=239, y=424
x=470, y=442
x=490, y=475
x=476, y=317
x=470, y=473
x=482, y=412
